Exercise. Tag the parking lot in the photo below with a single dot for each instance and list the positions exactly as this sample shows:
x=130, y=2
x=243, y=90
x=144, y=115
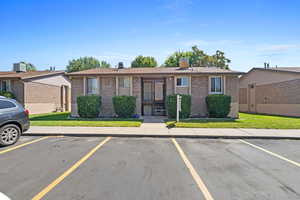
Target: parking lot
x=150, y=168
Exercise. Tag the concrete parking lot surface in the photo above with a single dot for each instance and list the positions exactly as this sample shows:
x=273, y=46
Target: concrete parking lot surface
x=150, y=168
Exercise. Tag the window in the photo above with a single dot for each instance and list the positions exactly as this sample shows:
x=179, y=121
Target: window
x=92, y=87
x=124, y=82
x=216, y=85
x=182, y=82
x=6, y=104
x=5, y=85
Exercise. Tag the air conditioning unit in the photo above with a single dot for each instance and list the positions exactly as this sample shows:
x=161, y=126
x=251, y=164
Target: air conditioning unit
x=19, y=67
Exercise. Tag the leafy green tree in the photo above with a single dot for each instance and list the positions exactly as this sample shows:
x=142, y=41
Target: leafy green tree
x=144, y=61
x=30, y=67
x=198, y=58
x=173, y=60
x=104, y=64
x=85, y=63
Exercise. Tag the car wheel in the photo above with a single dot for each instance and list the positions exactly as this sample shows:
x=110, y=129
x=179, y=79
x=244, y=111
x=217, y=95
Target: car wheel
x=9, y=134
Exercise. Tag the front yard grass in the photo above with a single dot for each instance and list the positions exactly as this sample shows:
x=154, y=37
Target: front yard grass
x=62, y=119
x=245, y=121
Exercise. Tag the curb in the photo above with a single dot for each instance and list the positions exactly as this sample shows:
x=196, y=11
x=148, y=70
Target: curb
x=165, y=136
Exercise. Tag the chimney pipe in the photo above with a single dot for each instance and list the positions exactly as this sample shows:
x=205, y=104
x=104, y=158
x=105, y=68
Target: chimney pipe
x=120, y=65
x=184, y=63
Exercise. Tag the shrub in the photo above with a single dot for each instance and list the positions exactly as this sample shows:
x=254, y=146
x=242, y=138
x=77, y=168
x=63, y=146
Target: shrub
x=89, y=106
x=185, y=106
x=218, y=105
x=124, y=106
x=7, y=94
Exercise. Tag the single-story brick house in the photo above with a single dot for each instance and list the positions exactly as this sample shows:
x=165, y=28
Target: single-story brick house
x=38, y=91
x=271, y=91
x=150, y=86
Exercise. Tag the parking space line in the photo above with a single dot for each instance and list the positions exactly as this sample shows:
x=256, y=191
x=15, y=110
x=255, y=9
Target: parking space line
x=22, y=145
x=271, y=153
x=69, y=171
x=193, y=172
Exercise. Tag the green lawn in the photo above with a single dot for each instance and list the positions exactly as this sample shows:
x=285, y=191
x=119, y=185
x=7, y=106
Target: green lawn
x=62, y=119
x=245, y=121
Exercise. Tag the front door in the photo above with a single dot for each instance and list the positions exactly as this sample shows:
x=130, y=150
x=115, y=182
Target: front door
x=153, y=91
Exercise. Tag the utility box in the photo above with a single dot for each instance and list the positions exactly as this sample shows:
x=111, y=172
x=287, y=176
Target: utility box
x=19, y=67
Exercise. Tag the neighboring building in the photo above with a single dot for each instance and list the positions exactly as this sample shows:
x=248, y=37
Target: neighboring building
x=271, y=91
x=38, y=91
x=151, y=86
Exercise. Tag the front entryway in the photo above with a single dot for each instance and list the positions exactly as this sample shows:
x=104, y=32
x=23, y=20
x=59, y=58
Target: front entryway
x=153, y=96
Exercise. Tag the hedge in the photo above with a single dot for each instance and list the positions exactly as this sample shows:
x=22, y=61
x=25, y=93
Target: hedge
x=7, y=94
x=185, y=106
x=218, y=105
x=124, y=106
x=89, y=106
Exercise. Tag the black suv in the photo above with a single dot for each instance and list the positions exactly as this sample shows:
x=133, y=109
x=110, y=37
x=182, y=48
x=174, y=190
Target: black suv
x=14, y=121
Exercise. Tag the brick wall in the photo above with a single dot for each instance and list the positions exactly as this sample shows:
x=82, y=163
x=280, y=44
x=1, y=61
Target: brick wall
x=199, y=92
x=287, y=92
x=182, y=90
x=281, y=98
x=108, y=90
x=243, y=96
x=76, y=90
x=232, y=88
x=41, y=98
x=17, y=88
x=137, y=92
x=169, y=86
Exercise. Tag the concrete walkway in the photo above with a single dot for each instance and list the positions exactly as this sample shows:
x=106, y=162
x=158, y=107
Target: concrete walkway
x=160, y=130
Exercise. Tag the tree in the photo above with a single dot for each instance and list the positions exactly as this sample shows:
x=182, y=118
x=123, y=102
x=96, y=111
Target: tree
x=198, y=58
x=144, y=61
x=30, y=67
x=85, y=63
x=104, y=64
x=173, y=60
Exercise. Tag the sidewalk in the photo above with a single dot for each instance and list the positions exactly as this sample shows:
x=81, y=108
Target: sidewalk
x=159, y=130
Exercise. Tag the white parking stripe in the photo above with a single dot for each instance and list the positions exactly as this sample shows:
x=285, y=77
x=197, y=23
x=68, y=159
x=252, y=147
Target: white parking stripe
x=271, y=153
x=193, y=172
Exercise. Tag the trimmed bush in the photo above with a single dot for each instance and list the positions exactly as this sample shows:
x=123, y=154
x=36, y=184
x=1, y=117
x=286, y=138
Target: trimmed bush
x=89, y=106
x=7, y=94
x=124, y=106
x=218, y=105
x=185, y=106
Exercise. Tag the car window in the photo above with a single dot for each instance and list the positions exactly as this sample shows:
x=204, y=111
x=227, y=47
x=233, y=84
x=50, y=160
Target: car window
x=6, y=104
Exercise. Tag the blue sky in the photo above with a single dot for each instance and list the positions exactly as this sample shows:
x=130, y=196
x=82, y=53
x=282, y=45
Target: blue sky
x=51, y=32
